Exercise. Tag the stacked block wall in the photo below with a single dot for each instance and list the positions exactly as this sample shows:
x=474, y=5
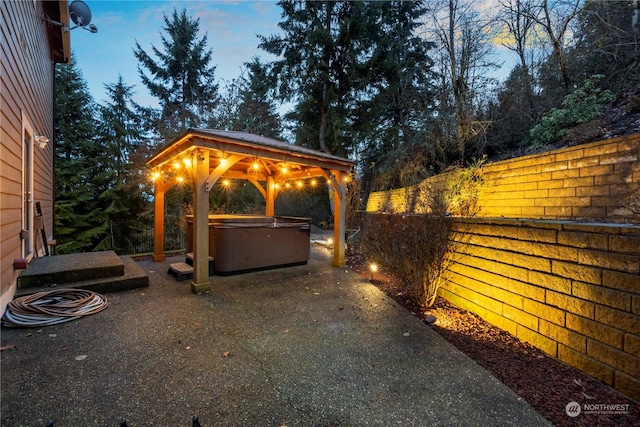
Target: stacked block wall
x=596, y=181
x=572, y=290
x=566, y=278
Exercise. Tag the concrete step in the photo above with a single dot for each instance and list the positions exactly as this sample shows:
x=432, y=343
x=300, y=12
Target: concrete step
x=59, y=269
x=132, y=277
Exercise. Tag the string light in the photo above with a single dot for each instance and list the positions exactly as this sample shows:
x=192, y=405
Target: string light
x=256, y=166
x=226, y=182
x=176, y=165
x=299, y=184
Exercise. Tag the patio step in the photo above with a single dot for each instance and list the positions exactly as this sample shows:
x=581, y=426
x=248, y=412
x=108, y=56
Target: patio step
x=96, y=271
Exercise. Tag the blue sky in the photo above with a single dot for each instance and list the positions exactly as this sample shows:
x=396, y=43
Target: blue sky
x=231, y=28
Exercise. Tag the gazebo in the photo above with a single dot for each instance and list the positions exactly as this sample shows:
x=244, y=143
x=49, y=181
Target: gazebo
x=207, y=155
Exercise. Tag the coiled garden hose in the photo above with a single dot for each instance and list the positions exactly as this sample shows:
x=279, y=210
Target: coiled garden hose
x=53, y=307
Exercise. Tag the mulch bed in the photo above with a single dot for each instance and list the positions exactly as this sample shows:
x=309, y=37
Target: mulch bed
x=545, y=383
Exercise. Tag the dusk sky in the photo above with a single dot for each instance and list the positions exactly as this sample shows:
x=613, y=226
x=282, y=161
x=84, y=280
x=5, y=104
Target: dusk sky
x=231, y=28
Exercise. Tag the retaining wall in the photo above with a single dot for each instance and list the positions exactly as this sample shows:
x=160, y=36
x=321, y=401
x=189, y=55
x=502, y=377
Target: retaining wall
x=565, y=279
x=596, y=181
x=572, y=290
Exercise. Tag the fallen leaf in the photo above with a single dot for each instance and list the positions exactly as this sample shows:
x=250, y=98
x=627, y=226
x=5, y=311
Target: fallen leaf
x=226, y=354
x=578, y=382
x=188, y=347
x=406, y=334
x=587, y=396
x=8, y=347
x=81, y=357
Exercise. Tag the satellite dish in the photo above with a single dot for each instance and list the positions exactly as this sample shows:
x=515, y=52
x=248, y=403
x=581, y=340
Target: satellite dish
x=80, y=13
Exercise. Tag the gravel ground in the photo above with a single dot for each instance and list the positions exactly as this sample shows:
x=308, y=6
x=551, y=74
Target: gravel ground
x=546, y=383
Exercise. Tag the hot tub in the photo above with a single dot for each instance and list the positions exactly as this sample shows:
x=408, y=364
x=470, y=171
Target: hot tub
x=241, y=243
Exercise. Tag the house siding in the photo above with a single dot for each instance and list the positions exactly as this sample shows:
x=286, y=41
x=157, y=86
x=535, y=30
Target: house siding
x=26, y=91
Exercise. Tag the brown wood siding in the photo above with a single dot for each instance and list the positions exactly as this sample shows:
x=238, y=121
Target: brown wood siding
x=26, y=86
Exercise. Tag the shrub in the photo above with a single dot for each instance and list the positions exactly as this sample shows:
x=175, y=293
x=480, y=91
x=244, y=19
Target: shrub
x=416, y=246
x=580, y=106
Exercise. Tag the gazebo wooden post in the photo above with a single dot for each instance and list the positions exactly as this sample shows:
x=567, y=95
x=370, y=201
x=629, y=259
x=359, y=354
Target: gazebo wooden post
x=200, y=162
x=340, y=205
x=158, y=219
x=271, y=196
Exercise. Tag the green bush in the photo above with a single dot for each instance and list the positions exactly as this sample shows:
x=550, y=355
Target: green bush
x=580, y=106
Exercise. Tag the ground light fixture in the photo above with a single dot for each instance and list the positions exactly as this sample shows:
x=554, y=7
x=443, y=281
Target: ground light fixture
x=373, y=268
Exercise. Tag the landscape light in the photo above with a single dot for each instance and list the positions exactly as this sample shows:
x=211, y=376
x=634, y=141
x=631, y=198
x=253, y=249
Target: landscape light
x=373, y=267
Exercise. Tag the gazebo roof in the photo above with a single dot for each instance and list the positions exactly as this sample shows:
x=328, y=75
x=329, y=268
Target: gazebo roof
x=262, y=156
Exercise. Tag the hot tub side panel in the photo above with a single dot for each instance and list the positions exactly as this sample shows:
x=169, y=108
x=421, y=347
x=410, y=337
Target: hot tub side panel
x=244, y=247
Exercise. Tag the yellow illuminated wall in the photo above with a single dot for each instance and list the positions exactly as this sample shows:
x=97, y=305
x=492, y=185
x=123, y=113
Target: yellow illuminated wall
x=588, y=182
x=553, y=256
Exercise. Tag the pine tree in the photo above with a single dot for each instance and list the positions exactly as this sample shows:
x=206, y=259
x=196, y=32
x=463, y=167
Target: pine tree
x=121, y=136
x=399, y=75
x=181, y=78
x=79, y=178
x=248, y=104
x=317, y=71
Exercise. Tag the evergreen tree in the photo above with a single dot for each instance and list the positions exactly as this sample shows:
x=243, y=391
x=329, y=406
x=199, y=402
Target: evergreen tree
x=318, y=52
x=393, y=119
x=121, y=136
x=247, y=103
x=181, y=78
x=79, y=171
x=359, y=77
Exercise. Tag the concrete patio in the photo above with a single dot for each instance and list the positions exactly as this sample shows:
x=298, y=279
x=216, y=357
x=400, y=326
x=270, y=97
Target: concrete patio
x=311, y=345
